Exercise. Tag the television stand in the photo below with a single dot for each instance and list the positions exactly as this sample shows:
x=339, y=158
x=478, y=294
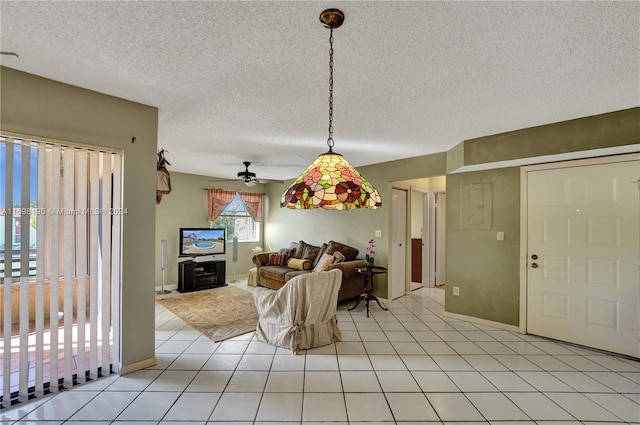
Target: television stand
x=195, y=276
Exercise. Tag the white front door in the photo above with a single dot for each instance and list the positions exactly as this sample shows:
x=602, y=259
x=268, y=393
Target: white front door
x=398, y=277
x=583, y=280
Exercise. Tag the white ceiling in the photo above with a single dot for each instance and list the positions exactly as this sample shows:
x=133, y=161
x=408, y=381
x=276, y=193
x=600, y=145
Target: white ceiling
x=236, y=81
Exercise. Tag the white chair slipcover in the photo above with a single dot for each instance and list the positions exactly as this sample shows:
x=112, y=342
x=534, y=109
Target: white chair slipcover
x=301, y=314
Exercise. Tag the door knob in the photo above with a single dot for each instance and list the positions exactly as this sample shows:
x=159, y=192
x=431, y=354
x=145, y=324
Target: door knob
x=534, y=257
x=534, y=265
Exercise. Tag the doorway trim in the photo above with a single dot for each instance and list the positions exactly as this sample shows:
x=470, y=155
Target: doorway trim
x=393, y=271
x=524, y=219
x=425, y=201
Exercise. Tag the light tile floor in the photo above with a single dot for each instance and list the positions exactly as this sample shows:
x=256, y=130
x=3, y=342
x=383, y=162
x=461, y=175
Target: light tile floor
x=409, y=365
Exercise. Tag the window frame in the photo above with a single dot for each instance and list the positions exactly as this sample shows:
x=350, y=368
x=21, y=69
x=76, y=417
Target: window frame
x=235, y=215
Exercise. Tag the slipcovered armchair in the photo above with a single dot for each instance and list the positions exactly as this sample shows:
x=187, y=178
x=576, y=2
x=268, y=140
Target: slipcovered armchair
x=301, y=314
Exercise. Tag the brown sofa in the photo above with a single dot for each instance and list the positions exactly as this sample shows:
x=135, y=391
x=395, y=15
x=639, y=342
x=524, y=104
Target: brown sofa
x=275, y=276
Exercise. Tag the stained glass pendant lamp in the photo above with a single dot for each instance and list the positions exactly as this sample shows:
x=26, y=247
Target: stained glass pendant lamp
x=330, y=182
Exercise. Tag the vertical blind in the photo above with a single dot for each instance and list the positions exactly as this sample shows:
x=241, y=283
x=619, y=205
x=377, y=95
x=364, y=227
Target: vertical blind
x=59, y=264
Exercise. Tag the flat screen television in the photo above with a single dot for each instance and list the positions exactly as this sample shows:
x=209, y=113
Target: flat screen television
x=195, y=241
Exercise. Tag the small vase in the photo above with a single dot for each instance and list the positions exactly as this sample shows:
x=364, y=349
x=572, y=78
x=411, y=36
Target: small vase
x=369, y=261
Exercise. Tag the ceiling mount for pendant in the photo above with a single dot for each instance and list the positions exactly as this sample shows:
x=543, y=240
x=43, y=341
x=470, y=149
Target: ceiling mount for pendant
x=332, y=18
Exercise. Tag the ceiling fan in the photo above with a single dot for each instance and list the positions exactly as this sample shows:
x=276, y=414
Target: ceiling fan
x=249, y=178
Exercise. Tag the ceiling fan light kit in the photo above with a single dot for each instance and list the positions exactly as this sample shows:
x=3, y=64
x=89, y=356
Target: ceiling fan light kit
x=330, y=182
x=247, y=177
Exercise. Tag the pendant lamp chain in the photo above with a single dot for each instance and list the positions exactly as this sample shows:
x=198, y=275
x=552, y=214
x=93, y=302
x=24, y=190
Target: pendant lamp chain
x=330, y=182
x=330, y=139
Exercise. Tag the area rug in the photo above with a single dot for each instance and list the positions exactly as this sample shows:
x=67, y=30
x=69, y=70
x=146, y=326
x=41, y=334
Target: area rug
x=219, y=313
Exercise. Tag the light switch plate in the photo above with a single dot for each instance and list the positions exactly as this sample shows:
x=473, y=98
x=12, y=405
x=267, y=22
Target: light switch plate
x=500, y=236
x=378, y=233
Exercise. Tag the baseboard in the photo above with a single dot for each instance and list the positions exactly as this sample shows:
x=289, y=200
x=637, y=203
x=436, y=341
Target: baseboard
x=167, y=287
x=480, y=321
x=138, y=365
x=239, y=276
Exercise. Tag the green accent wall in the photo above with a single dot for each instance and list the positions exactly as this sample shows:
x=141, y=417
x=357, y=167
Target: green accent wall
x=484, y=269
x=37, y=107
x=619, y=128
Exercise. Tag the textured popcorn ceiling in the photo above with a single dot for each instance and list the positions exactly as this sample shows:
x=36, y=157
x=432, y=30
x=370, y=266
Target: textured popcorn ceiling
x=238, y=81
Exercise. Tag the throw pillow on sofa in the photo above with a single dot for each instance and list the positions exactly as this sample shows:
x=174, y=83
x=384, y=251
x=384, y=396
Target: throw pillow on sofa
x=299, y=264
x=323, y=249
x=325, y=261
x=349, y=252
x=277, y=260
x=338, y=257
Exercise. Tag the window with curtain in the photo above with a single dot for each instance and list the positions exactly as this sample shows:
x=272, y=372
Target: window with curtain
x=238, y=212
x=60, y=227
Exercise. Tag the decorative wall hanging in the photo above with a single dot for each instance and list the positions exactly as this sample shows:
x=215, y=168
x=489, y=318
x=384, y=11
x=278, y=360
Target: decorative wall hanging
x=163, y=180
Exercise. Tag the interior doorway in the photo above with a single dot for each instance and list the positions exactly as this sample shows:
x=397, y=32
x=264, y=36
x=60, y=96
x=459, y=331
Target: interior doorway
x=420, y=213
x=427, y=230
x=398, y=276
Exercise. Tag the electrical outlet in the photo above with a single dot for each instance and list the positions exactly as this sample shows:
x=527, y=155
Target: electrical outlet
x=456, y=291
x=378, y=233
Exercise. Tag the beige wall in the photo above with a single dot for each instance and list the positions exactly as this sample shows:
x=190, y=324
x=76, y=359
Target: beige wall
x=41, y=108
x=186, y=206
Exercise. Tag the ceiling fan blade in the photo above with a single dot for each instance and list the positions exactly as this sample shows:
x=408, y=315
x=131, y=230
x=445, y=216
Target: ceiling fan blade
x=225, y=180
x=269, y=181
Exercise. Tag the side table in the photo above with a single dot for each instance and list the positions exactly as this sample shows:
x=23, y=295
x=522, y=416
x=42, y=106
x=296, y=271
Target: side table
x=369, y=272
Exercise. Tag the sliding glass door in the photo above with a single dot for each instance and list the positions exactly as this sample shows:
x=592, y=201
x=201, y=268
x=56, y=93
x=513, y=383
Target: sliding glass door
x=60, y=233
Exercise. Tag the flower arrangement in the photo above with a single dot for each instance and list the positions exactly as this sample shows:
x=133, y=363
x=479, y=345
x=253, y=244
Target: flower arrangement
x=370, y=252
x=257, y=249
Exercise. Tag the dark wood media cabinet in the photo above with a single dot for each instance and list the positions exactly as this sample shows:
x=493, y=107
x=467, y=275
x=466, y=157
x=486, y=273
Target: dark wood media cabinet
x=194, y=276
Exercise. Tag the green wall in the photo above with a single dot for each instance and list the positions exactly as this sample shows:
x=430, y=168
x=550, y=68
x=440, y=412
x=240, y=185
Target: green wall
x=486, y=270
x=619, y=128
x=186, y=206
x=37, y=107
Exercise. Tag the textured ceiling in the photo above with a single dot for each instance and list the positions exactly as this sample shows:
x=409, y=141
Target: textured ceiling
x=238, y=81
